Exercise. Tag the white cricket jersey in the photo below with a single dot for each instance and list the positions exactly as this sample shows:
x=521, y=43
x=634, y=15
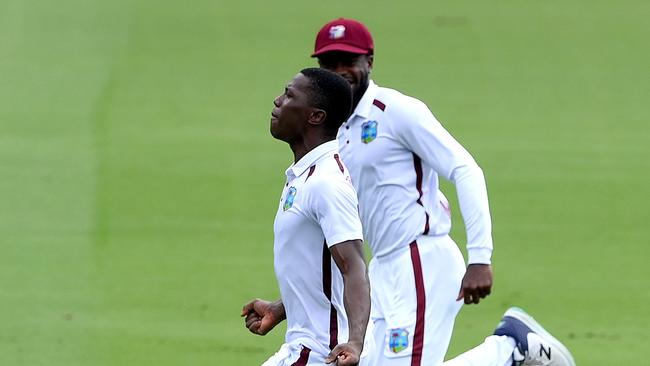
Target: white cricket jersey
x=318, y=209
x=395, y=150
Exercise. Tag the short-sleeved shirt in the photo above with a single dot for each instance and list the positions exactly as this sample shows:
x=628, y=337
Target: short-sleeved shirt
x=318, y=209
x=396, y=150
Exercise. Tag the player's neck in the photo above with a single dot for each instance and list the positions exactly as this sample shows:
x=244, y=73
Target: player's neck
x=307, y=144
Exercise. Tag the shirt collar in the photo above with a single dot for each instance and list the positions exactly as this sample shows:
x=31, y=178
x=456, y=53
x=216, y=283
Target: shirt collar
x=365, y=104
x=297, y=169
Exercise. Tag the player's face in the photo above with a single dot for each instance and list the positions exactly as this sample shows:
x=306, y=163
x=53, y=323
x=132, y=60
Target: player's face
x=292, y=110
x=352, y=67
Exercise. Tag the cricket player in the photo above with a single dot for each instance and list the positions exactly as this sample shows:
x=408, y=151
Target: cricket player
x=396, y=151
x=318, y=256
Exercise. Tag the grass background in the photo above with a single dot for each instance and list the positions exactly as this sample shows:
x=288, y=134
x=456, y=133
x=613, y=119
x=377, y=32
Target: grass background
x=138, y=180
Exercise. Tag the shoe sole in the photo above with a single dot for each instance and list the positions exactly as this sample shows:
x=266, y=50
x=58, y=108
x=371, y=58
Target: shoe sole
x=522, y=316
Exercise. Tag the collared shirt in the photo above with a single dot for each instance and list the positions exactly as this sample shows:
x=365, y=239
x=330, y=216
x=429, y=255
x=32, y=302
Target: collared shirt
x=318, y=209
x=395, y=150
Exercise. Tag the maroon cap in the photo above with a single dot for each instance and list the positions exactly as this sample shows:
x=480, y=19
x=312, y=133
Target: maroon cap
x=347, y=35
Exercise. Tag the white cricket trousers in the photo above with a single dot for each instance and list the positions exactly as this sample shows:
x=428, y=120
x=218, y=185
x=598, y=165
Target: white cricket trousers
x=413, y=293
x=295, y=354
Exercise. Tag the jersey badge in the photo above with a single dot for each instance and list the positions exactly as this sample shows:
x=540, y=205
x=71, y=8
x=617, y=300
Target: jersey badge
x=291, y=195
x=368, y=131
x=398, y=339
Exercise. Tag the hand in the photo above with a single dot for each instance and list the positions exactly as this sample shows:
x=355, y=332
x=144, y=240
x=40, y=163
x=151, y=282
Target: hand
x=262, y=316
x=345, y=354
x=477, y=283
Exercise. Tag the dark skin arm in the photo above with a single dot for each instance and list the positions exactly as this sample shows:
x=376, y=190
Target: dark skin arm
x=348, y=256
x=477, y=283
x=262, y=316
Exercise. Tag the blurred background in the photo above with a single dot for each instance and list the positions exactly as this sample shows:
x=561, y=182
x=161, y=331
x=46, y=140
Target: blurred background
x=138, y=180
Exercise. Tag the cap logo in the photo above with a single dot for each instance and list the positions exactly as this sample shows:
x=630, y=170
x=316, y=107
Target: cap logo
x=337, y=31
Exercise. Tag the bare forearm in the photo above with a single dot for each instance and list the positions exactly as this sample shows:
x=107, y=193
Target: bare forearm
x=357, y=303
x=356, y=294
x=278, y=310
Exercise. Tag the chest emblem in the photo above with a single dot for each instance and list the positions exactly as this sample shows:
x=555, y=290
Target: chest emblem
x=368, y=131
x=398, y=340
x=291, y=195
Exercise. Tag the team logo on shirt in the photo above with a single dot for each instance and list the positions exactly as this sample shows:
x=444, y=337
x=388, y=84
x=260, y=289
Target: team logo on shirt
x=368, y=131
x=291, y=195
x=398, y=339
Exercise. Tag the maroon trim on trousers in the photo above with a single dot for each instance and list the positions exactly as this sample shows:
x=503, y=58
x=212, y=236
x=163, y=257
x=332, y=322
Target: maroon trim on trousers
x=417, y=163
x=304, y=357
x=418, y=336
x=327, y=290
x=311, y=171
x=379, y=104
x=338, y=161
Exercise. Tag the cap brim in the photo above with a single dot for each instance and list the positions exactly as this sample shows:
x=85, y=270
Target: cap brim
x=341, y=47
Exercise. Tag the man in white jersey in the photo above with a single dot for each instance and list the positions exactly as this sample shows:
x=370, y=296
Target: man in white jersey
x=396, y=150
x=318, y=256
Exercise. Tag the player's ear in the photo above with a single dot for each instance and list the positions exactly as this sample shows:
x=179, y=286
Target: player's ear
x=317, y=117
x=371, y=59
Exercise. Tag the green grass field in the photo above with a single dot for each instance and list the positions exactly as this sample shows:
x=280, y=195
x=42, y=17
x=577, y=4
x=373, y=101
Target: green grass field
x=138, y=180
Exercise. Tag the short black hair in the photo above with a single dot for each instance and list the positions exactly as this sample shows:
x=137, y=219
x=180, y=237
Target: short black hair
x=331, y=93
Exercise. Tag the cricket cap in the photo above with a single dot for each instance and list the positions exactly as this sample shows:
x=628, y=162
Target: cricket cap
x=346, y=35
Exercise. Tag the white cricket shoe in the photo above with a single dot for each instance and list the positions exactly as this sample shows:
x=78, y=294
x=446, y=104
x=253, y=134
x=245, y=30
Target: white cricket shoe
x=535, y=345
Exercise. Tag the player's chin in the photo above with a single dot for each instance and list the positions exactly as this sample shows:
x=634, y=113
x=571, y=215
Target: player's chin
x=273, y=127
